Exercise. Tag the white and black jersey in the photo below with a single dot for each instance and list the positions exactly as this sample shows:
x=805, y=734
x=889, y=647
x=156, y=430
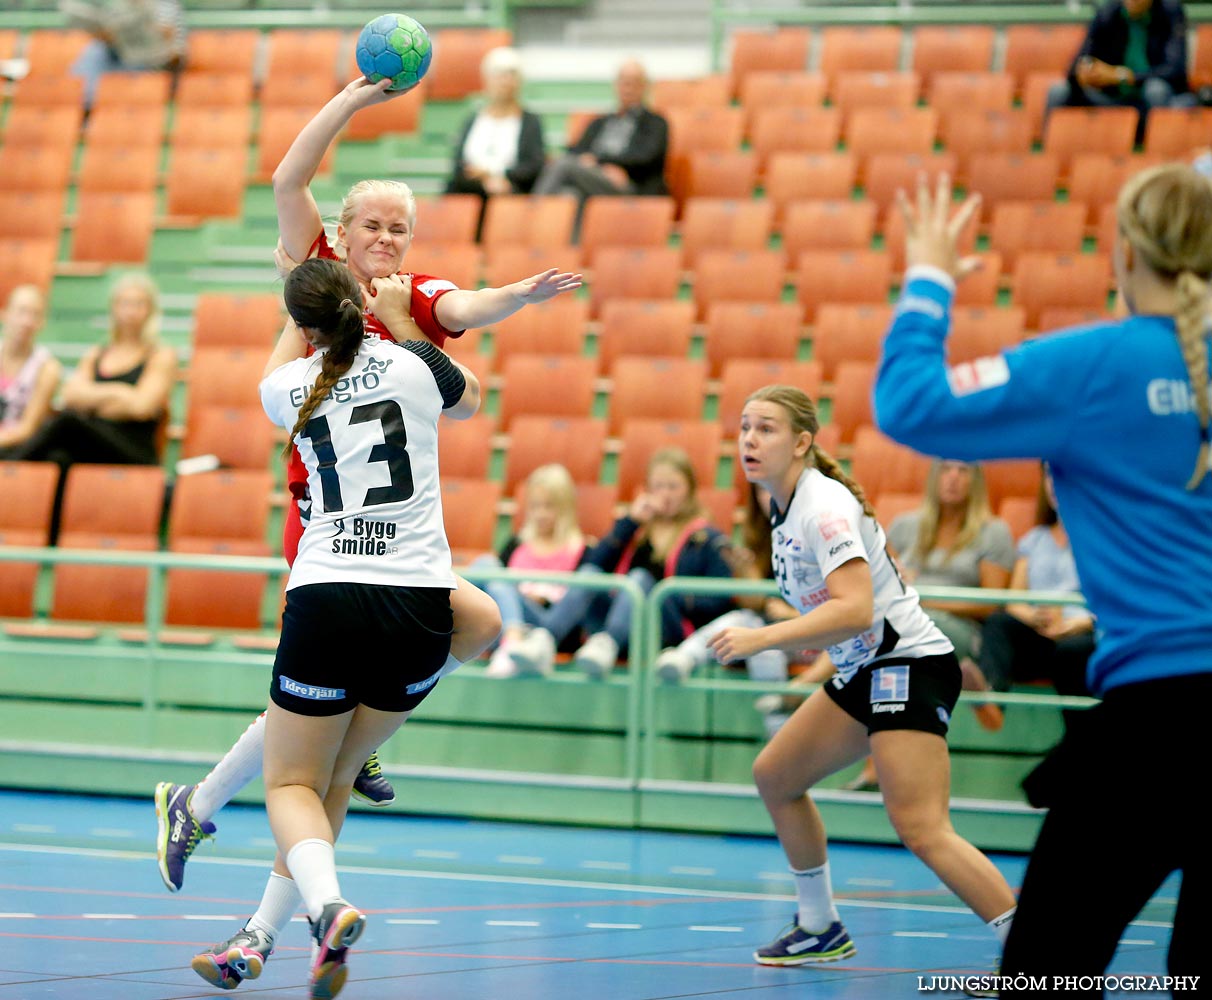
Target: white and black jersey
x=824, y=527
x=371, y=452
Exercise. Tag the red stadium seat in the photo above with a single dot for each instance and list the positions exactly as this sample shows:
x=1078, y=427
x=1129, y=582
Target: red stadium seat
x=724, y=224
x=766, y=331
x=577, y=443
x=638, y=328
x=538, y=385
x=857, y=276
x=755, y=52
x=657, y=389
x=743, y=375
x=848, y=333
x=29, y=492
x=699, y=439
x=726, y=276
x=558, y=328
x=652, y=273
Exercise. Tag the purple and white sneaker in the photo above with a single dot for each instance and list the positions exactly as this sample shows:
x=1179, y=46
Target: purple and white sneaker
x=178, y=832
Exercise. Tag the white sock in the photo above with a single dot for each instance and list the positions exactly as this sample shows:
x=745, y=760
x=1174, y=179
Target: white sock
x=450, y=666
x=1001, y=925
x=278, y=905
x=313, y=865
x=238, y=767
x=814, y=889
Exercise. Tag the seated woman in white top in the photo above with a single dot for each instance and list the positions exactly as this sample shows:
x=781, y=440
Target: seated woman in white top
x=29, y=375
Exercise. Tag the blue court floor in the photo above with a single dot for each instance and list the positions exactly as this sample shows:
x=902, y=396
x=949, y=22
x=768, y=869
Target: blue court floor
x=464, y=910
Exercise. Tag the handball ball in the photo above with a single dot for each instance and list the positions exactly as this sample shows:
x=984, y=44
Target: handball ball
x=395, y=46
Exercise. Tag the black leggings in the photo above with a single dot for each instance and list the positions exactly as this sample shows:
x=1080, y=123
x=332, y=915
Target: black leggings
x=70, y=437
x=1125, y=790
x=1013, y=651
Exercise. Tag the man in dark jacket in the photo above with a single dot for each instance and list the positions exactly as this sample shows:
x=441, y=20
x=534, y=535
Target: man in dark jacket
x=619, y=153
x=1134, y=55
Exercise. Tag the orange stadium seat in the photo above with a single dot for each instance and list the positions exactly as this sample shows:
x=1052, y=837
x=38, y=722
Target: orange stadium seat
x=448, y=218
x=224, y=319
x=226, y=504
x=851, y=397
x=766, y=331
x=700, y=439
x=724, y=224
x=656, y=388
x=971, y=133
x=279, y=127
x=1072, y=131
x=310, y=50
x=979, y=331
x=794, y=130
x=1009, y=177
x=31, y=125
x=720, y=505
x=222, y=51
x=557, y=328
x=469, y=508
x=889, y=506
x=56, y=91
x=1174, y=133
x=1036, y=226
x=880, y=465
x=113, y=228
x=42, y=168
x=135, y=126
x=852, y=91
x=131, y=90
x=1059, y=318
x=228, y=377
x=951, y=92
x=507, y=262
x=1035, y=100
x=1106, y=228
x=712, y=91
x=795, y=176
x=310, y=90
x=886, y=173
x=1201, y=61
x=981, y=288
x=1019, y=514
x=866, y=49
x=782, y=50
x=848, y=333
x=199, y=598
x=649, y=273
x=577, y=443
x=720, y=174
x=50, y=51
x=455, y=72
x=240, y=437
x=699, y=130
x=29, y=492
x=469, y=349
x=1095, y=179
x=891, y=130
x=1011, y=479
x=399, y=116
x=766, y=88
x=455, y=262
x=743, y=375
x=101, y=593
x=27, y=262
x=738, y=276
x=34, y=215
x=953, y=48
x=858, y=276
x=1041, y=48
x=1076, y=281
x=613, y=221
x=519, y=219
x=124, y=169
x=635, y=328
x=597, y=507
x=546, y=385
x=214, y=90
x=8, y=42
x=465, y=446
x=827, y=225
x=206, y=183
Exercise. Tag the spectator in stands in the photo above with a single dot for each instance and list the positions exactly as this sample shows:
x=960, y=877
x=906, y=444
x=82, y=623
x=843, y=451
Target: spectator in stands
x=1134, y=55
x=619, y=153
x=127, y=35
x=664, y=533
x=29, y=374
x=1027, y=642
x=954, y=540
x=549, y=541
x=117, y=398
x=500, y=148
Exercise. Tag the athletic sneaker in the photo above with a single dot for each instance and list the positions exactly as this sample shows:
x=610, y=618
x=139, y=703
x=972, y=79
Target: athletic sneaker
x=370, y=785
x=339, y=926
x=242, y=956
x=533, y=655
x=796, y=946
x=178, y=832
x=673, y=665
x=598, y=656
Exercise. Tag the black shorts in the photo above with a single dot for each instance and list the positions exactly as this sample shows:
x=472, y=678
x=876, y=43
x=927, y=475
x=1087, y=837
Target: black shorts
x=350, y=644
x=900, y=693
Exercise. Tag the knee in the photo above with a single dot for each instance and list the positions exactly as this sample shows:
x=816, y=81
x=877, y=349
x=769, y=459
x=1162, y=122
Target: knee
x=920, y=832
x=771, y=781
x=1156, y=93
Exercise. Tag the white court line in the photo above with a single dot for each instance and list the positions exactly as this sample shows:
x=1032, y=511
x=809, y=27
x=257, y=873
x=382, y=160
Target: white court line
x=920, y=934
x=401, y=920
x=872, y=883
x=440, y=855
x=208, y=916
x=18, y=916
x=1136, y=941
x=358, y=848
x=108, y=916
x=775, y=876
x=607, y=866
x=716, y=930
x=688, y=870
x=512, y=923
x=142, y=857
x=519, y=859
x=104, y=831
x=33, y=828
x=616, y=927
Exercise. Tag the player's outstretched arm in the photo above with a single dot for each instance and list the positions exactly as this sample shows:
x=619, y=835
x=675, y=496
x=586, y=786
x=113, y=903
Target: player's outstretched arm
x=463, y=309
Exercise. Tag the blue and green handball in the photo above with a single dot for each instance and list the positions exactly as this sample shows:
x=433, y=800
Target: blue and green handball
x=395, y=46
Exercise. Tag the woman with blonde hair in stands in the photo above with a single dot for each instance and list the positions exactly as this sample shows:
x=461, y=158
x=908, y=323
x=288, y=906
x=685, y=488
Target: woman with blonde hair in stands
x=29, y=373
x=550, y=540
x=896, y=683
x=1121, y=412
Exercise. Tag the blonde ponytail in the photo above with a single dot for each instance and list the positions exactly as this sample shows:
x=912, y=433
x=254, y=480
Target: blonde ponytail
x=1191, y=321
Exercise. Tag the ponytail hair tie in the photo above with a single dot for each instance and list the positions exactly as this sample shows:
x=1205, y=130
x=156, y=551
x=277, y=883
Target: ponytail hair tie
x=345, y=302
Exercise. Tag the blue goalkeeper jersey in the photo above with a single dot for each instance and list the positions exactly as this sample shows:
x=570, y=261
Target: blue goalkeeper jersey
x=1109, y=406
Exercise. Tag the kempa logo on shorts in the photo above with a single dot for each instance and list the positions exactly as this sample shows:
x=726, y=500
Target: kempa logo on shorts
x=368, y=538
x=888, y=685
x=310, y=691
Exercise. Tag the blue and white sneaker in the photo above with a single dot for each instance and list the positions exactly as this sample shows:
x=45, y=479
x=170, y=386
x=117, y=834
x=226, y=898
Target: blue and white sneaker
x=178, y=831
x=796, y=946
